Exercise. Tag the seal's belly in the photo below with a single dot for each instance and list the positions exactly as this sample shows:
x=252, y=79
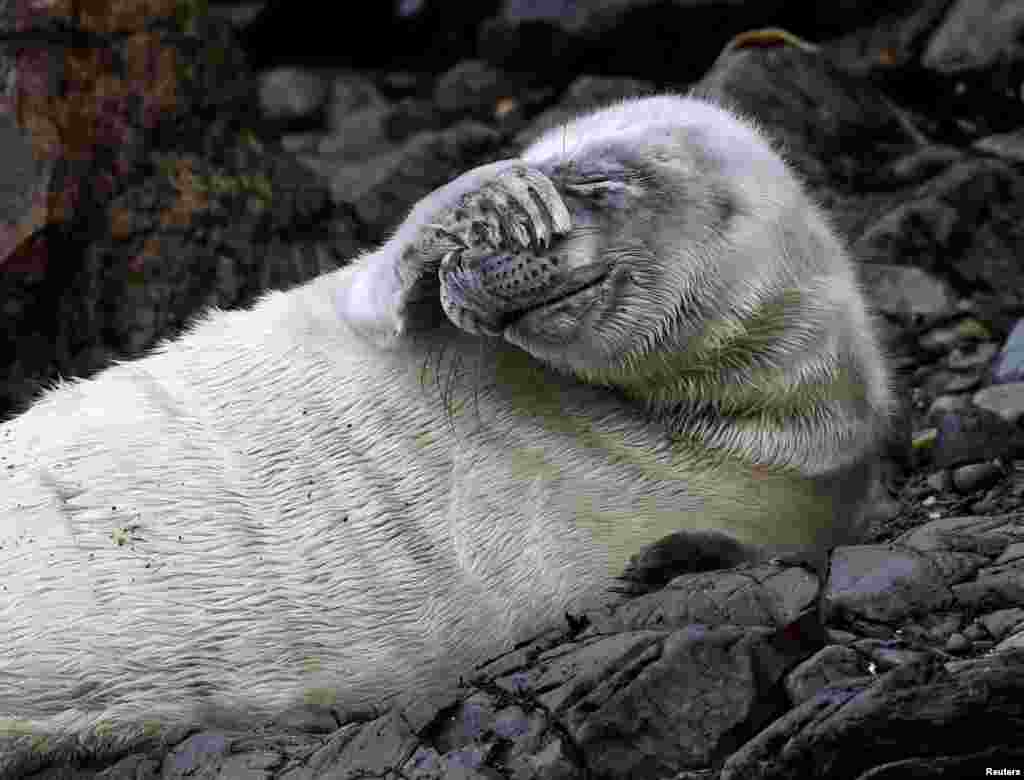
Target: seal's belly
x=332, y=531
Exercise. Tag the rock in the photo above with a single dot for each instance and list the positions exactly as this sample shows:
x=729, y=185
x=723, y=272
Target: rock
x=830, y=665
x=907, y=293
x=1009, y=146
x=927, y=713
x=977, y=355
x=977, y=34
x=583, y=94
x=761, y=596
x=918, y=165
x=1002, y=622
x=887, y=44
x=976, y=476
x=1013, y=642
x=390, y=183
x=940, y=480
x=1009, y=365
x=829, y=123
x=360, y=750
x=886, y=654
x=196, y=754
x=962, y=222
x=24, y=182
x=592, y=37
x=947, y=404
x=472, y=88
x=941, y=339
x=703, y=691
x=958, y=644
x=962, y=383
x=291, y=93
x=883, y=583
x=1005, y=400
x=970, y=435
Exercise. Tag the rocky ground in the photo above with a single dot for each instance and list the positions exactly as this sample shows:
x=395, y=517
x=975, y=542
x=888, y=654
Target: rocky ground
x=202, y=183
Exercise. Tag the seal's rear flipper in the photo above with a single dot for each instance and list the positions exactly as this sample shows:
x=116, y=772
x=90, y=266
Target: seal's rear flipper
x=685, y=552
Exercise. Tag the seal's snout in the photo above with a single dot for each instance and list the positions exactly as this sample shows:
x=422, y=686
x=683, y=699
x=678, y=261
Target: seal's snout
x=487, y=290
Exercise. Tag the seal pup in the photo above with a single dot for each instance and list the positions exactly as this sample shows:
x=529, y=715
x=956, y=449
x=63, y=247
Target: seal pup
x=370, y=483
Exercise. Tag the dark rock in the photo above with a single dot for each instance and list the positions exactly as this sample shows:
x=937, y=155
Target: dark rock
x=829, y=666
x=1003, y=622
x=392, y=182
x=1009, y=365
x=471, y=88
x=134, y=767
x=976, y=476
x=962, y=223
x=883, y=584
x=1001, y=591
x=291, y=93
x=939, y=340
x=196, y=754
x=412, y=34
x=833, y=128
x=958, y=644
x=889, y=44
x=919, y=165
x=694, y=700
x=1009, y=146
x=885, y=654
x=977, y=34
x=972, y=435
x=907, y=293
x=586, y=92
x=761, y=596
x=922, y=709
x=977, y=355
x=360, y=750
x=677, y=40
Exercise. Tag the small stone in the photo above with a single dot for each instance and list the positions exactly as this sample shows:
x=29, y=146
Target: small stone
x=925, y=439
x=962, y=383
x=1006, y=400
x=1012, y=642
x=907, y=293
x=1013, y=552
x=976, y=631
x=976, y=476
x=1002, y=622
x=290, y=93
x=1009, y=366
x=947, y=403
x=957, y=644
x=837, y=636
x=964, y=358
x=828, y=666
x=974, y=435
x=940, y=481
x=941, y=339
x=1009, y=146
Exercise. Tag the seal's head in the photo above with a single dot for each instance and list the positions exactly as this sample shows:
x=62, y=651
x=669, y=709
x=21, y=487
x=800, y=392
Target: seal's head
x=672, y=200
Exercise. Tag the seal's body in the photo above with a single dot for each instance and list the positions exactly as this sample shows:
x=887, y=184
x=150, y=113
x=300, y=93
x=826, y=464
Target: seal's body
x=341, y=494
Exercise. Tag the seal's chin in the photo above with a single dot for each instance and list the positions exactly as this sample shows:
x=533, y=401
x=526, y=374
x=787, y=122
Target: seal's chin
x=557, y=321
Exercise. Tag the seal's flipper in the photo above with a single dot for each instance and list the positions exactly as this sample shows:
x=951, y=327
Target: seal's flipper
x=502, y=205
